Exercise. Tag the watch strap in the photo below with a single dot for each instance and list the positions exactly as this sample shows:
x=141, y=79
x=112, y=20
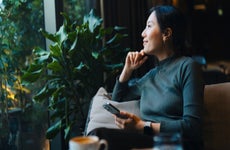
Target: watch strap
x=148, y=129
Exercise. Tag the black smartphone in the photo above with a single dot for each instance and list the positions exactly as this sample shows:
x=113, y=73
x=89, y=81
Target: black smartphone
x=114, y=110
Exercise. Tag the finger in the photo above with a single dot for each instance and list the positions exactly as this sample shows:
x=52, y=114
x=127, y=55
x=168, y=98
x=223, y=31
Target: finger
x=130, y=115
x=141, y=57
x=120, y=120
x=129, y=57
x=137, y=57
x=120, y=123
x=143, y=53
x=143, y=60
x=133, y=56
x=126, y=114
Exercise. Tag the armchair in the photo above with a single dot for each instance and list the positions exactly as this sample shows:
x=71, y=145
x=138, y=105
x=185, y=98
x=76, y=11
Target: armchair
x=216, y=131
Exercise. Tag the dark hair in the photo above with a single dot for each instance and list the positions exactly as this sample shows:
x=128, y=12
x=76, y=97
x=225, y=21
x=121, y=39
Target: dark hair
x=170, y=17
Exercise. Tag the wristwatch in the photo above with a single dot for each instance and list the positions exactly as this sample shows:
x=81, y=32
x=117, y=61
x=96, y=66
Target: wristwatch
x=148, y=129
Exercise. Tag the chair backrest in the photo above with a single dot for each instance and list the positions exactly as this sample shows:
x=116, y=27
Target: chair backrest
x=214, y=77
x=217, y=116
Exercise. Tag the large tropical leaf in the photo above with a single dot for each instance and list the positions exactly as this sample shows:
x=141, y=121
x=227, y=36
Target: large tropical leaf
x=74, y=68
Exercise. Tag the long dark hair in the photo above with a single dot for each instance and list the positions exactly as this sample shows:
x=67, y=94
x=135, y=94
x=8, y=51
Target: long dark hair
x=170, y=17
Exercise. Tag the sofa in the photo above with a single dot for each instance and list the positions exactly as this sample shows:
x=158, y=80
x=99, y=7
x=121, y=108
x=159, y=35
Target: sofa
x=216, y=128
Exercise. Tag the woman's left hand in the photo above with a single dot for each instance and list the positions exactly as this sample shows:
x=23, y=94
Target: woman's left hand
x=133, y=122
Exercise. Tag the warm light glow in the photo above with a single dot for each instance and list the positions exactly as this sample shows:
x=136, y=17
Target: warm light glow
x=200, y=7
x=175, y=2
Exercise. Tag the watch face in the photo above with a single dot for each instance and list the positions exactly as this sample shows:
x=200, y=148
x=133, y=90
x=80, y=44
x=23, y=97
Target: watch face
x=148, y=124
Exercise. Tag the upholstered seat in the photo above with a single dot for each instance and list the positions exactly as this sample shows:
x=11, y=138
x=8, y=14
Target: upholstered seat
x=217, y=116
x=216, y=129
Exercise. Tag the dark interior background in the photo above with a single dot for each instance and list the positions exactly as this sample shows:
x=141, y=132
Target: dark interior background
x=208, y=32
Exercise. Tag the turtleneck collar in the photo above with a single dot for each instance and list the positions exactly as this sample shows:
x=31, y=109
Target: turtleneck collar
x=166, y=60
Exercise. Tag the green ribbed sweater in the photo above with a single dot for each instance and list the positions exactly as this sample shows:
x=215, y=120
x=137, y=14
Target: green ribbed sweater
x=171, y=93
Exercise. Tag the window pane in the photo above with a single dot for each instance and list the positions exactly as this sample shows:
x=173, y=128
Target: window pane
x=75, y=8
x=22, y=122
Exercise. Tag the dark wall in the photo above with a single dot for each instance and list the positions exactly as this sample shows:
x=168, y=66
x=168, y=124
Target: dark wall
x=207, y=35
x=208, y=30
x=131, y=14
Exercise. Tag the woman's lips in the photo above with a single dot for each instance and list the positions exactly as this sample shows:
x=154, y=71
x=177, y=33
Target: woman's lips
x=144, y=43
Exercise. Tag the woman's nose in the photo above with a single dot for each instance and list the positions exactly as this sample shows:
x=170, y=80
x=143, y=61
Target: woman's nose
x=143, y=33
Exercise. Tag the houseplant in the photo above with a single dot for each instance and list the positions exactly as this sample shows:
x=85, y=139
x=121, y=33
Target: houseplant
x=82, y=58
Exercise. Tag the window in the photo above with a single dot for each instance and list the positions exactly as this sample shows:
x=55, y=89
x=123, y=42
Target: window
x=19, y=33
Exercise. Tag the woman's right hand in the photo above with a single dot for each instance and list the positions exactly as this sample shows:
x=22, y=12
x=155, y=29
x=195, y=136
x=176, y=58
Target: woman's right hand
x=133, y=61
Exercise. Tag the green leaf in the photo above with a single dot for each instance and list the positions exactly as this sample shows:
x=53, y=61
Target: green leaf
x=119, y=28
x=44, y=94
x=95, y=55
x=33, y=73
x=103, y=32
x=57, y=113
x=115, y=38
x=55, y=66
x=92, y=21
x=41, y=55
x=80, y=66
x=74, y=44
x=48, y=35
x=67, y=131
x=61, y=35
x=55, y=50
x=30, y=77
x=56, y=95
x=66, y=20
x=53, y=130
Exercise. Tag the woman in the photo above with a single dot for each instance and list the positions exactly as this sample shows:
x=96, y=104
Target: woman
x=171, y=94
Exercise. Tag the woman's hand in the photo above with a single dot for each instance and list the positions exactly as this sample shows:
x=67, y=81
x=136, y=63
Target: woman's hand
x=133, y=61
x=132, y=122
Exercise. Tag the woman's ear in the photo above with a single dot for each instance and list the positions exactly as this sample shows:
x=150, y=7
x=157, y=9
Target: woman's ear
x=167, y=33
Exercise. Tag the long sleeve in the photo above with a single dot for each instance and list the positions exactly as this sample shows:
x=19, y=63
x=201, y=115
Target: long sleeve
x=125, y=91
x=192, y=94
x=170, y=94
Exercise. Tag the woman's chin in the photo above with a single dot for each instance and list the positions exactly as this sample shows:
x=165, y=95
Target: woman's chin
x=146, y=51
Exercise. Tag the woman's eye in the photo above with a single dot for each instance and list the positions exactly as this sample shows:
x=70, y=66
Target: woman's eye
x=148, y=26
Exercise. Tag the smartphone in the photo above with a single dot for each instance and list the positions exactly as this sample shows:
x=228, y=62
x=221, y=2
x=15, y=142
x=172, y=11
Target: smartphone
x=114, y=110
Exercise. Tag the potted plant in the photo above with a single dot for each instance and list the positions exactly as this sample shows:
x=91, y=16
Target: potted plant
x=82, y=58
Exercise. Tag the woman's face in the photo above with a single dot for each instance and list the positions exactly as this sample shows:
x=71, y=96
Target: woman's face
x=152, y=36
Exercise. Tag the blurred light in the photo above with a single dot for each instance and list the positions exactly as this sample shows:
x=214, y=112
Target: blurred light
x=220, y=12
x=175, y=2
x=200, y=7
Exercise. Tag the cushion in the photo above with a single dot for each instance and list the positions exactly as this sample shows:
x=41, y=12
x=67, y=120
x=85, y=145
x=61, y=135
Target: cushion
x=99, y=117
